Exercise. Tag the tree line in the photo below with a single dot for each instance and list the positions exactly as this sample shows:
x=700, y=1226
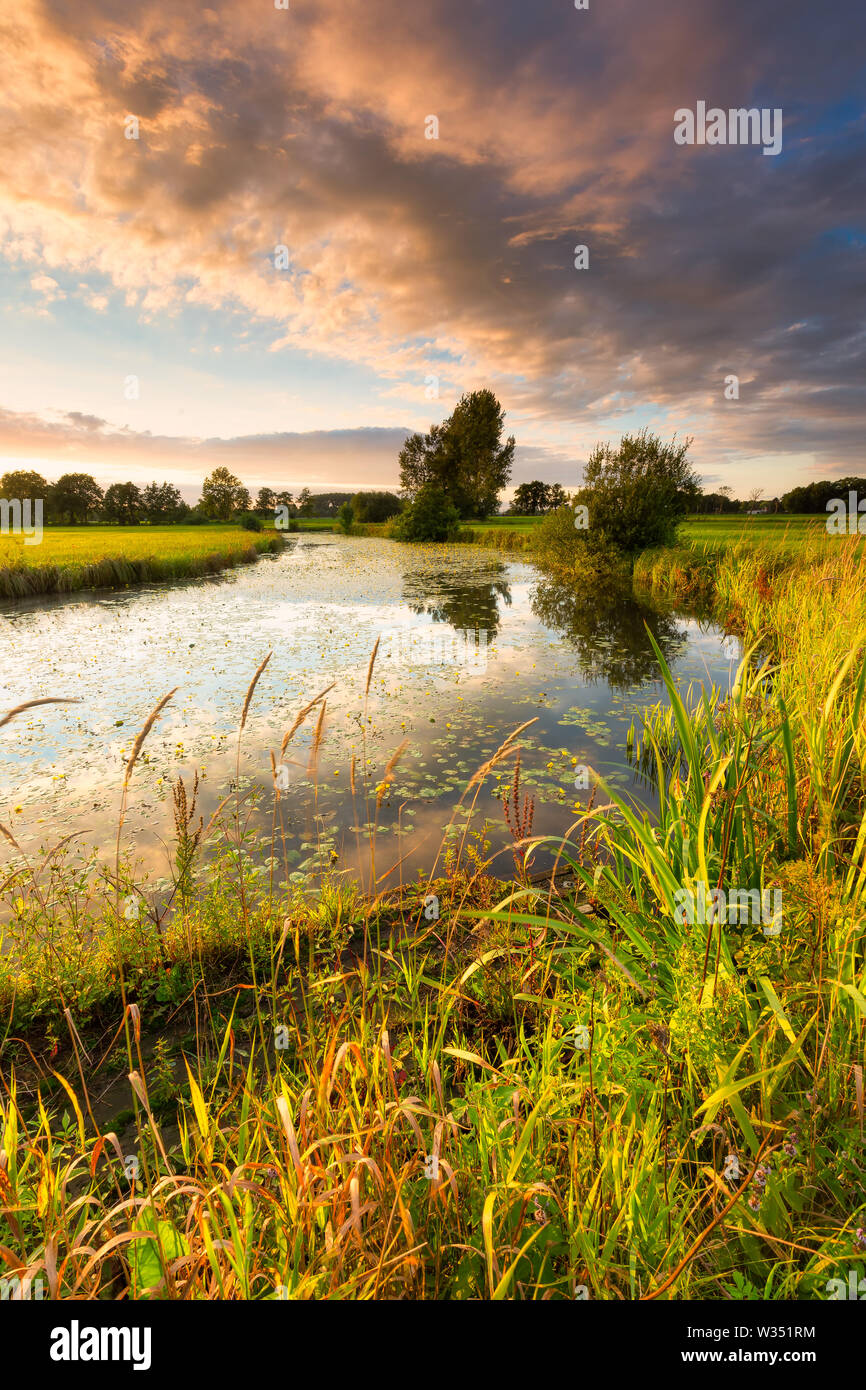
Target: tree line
x=454, y=473
x=77, y=498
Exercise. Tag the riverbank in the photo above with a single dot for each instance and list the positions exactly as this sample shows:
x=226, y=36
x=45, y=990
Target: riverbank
x=70, y=559
x=474, y=1091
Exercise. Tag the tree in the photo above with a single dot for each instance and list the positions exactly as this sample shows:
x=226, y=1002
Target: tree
x=23, y=484
x=266, y=500
x=637, y=493
x=463, y=457
x=530, y=499
x=285, y=499
x=344, y=518
x=163, y=504
x=431, y=517
x=556, y=497
x=75, y=497
x=122, y=504
x=375, y=506
x=305, y=502
x=222, y=495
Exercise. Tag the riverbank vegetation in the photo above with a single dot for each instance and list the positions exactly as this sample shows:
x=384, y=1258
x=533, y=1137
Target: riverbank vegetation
x=468, y=1088
x=74, y=558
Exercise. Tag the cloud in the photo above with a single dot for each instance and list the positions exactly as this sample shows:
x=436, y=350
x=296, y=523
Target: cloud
x=305, y=128
x=317, y=459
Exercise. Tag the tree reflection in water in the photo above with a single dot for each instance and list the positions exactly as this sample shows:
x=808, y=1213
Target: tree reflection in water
x=608, y=630
x=472, y=607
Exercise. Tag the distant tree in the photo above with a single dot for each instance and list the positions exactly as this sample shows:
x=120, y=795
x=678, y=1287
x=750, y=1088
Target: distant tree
x=266, y=500
x=75, y=497
x=305, y=502
x=754, y=497
x=24, y=484
x=815, y=496
x=222, y=495
x=122, y=504
x=329, y=503
x=556, y=497
x=530, y=499
x=375, y=506
x=464, y=457
x=163, y=504
x=286, y=499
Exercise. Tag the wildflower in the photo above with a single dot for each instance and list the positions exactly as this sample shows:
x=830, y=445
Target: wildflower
x=860, y=1237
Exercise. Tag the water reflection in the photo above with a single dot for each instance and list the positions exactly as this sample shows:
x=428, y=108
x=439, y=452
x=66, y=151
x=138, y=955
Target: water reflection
x=466, y=606
x=608, y=630
x=579, y=666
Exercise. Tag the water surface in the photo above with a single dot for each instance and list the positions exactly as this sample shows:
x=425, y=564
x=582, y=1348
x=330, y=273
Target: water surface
x=472, y=645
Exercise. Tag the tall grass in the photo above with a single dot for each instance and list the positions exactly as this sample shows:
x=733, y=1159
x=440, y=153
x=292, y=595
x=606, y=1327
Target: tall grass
x=64, y=563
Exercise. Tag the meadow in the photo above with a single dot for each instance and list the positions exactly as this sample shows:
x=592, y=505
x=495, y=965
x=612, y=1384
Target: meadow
x=472, y=1088
x=70, y=558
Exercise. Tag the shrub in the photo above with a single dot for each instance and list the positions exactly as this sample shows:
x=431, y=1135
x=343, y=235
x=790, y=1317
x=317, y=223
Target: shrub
x=250, y=522
x=431, y=517
x=637, y=493
x=579, y=556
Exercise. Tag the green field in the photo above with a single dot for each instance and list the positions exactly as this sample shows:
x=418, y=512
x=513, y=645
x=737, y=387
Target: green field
x=791, y=534
x=90, y=557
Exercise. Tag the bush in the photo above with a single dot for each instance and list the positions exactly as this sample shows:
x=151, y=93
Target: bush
x=637, y=493
x=578, y=556
x=250, y=522
x=344, y=518
x=431, y=517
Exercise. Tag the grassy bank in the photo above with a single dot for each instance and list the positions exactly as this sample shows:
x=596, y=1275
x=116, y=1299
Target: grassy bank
x=475, y=1090
x=114, y=557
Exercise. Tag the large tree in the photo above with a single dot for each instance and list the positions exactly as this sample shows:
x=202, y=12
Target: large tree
x=75, y=497
x=222, y=495
x=464, y=457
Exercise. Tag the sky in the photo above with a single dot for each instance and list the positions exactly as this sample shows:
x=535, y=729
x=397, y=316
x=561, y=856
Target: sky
x=339, y=216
